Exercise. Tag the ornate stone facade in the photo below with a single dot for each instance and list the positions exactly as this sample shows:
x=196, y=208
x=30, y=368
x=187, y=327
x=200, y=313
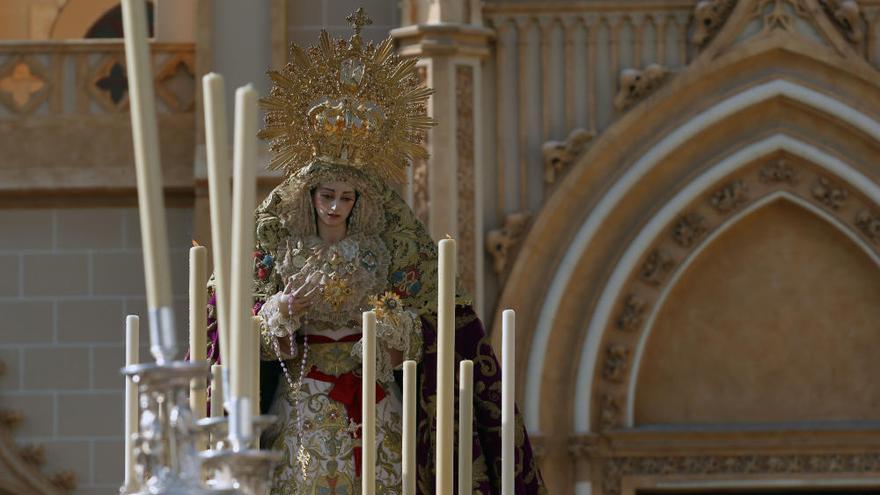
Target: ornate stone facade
x=467, y=211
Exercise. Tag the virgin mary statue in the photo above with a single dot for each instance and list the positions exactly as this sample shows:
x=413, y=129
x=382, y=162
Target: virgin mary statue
x=335, y=239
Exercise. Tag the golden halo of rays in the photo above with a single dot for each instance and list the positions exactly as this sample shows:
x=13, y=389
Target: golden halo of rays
x=315, y=76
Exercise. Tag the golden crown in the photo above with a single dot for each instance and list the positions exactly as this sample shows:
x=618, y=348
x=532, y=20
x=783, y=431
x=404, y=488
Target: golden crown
x=347, y=102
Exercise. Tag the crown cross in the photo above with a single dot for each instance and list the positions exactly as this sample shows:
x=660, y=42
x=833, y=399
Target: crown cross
x=358, y=20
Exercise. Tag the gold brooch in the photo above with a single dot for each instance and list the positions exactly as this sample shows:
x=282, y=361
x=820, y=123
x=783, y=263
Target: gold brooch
x=335, y=291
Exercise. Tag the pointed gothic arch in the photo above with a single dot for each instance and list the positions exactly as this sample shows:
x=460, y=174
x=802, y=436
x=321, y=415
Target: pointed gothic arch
x=748, y=99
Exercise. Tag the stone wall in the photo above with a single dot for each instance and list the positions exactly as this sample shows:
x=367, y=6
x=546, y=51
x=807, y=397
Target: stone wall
x=69, y=277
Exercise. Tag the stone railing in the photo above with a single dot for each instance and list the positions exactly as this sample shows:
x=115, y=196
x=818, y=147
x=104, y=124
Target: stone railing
x=64, y=120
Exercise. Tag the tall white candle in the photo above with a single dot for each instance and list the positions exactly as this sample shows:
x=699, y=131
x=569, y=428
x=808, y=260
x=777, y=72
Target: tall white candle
x=216, y=396
x=216, y=391
x=255, y=366
x=132, y=343
x=145, y=135
x=445, y=365
x=465, y=426
x=243, y=199
x=409, y=428
x=219, y=194
x=508, y=349
x=368, y=405
x=198, y=332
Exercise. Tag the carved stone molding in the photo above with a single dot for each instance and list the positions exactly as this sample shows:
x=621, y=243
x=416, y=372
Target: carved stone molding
x=828, y=193
x=467, y=211
x=501, y=243
x=20, y=466
x=583, y=446
x=689, y=228
x=616, y=363
x=709, y=16
x=636, y=84
x=779, y=171
x=657, y=267
x=175, y=82
x=34, y=455
x=631, y=315
x=869, y=224
x=686, y=233
x=615, y=469
x=560, y=155
x=10, y=418
x=610, y=412
x=730, y=197
x=847, y=16
x=64, y=480
x=24, y=84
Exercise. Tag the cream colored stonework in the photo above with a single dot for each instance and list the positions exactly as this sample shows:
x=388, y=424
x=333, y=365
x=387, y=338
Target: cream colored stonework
x=694, y=269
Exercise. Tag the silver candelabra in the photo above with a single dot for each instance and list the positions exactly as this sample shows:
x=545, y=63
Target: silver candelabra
x=166, y=457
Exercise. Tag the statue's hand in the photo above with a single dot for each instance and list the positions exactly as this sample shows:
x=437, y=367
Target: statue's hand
x=299, y=299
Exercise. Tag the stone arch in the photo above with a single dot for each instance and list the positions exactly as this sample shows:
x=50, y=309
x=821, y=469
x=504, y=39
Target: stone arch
x=77, y=16
x=723, y=354
x=644, y=246
x=830, y=166
x=710, y=110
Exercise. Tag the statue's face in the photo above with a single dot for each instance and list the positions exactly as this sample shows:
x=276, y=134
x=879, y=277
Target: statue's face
x=333, y=202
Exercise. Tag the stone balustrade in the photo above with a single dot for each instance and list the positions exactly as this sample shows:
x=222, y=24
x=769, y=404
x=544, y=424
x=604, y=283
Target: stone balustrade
x=64, y=122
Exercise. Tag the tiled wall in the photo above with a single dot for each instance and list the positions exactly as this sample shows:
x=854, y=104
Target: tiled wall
x=68, y=277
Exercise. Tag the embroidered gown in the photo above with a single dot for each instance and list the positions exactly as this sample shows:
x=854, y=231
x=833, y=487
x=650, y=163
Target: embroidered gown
x=318, y=429
x=387, y=254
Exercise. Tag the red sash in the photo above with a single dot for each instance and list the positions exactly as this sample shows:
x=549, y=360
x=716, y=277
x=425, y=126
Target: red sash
x=346, y=390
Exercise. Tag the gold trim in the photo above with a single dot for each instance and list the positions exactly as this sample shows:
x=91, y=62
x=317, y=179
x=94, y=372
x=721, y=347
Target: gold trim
x=347, y=102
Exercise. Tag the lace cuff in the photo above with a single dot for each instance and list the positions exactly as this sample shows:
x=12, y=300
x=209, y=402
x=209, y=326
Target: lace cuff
x=275, y=325
x=402, y=332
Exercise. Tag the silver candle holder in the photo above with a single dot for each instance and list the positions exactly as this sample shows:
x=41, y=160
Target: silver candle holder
x=166, y=460
x=238, y=463
x=165, y=455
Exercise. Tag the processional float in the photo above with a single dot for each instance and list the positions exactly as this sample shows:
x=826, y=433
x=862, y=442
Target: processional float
x=169, y=447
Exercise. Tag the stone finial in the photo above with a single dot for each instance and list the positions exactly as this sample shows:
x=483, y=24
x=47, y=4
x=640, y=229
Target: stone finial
x=636, y=84
x=500, y=243
x=559, y=155
x=709, y=16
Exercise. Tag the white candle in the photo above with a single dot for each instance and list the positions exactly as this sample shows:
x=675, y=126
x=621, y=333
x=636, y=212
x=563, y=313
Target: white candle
x=154, y=236
x=508, y=349
x=255, y=367
x=197, y=325
x=219, y=194
x=132, y=341
x=465, y=426
x=409, y=428
x=216, y=396
x=368, y=405
x=445, y=365
x=243, y=199
x=216, y=391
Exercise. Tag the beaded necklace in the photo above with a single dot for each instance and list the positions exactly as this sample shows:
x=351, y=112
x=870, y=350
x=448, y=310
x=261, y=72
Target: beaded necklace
x=303, y=457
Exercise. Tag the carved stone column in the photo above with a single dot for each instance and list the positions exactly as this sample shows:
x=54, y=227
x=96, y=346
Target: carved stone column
x=445, y=189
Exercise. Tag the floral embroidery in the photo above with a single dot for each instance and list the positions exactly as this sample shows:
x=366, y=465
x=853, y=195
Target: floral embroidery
x=263, y=263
